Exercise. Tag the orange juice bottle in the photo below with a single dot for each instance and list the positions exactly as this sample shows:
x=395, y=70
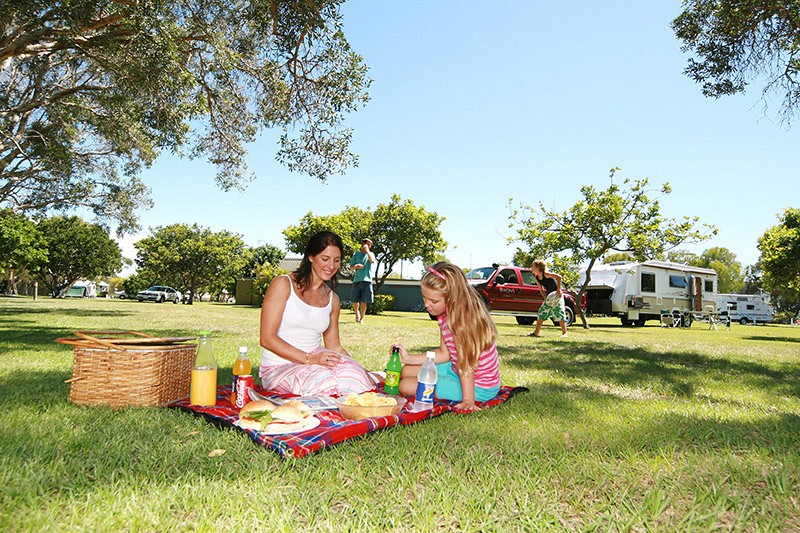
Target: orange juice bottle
x=241, y=367
x=204, y=373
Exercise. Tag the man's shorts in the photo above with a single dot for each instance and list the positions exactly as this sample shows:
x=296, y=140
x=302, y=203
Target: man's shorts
x=362, y=292
x=553, y=312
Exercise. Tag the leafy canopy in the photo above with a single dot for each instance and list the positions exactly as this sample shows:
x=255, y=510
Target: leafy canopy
x=400, y=231
x=92, y=90
x=780, y=260
x=739, y=41
x=21, y=243
x=190, y=258
x=617, y=219
x=76, y=250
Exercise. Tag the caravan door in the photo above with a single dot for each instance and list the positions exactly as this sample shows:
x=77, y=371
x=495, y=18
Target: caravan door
x=697, y=293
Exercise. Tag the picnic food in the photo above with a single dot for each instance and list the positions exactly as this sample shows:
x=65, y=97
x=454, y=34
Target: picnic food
x=368, y=399
x=263, y=415
x=368, y=405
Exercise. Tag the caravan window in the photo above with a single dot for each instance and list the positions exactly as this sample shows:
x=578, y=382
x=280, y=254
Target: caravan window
x=751, y=307
x=648, y=282
x=677, y=281
x=709, y=283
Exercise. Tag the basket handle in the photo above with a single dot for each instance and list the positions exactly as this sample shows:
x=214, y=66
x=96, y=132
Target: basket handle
x=104, y=343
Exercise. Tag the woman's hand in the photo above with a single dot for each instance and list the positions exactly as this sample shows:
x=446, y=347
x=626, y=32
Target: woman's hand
x=325, y=358
x=467, y=406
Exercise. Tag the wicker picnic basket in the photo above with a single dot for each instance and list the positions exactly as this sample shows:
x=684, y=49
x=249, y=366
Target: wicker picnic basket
x=129, y=368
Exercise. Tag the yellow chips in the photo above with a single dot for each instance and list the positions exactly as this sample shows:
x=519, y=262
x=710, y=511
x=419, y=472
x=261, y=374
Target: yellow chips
x=368, y=399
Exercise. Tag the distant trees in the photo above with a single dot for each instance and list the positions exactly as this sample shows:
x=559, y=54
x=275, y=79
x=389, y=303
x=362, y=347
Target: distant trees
x=730, y=275
x=91, y=91
x=21, y=246
x=780, y=261
x=400, y=230
x=617, y=219
x=738, y=42
x=190, y=257
x=76, y=250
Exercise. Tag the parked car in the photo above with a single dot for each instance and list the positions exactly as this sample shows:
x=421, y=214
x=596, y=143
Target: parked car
x=511, y=290
x=120, y=294
x=160, y=294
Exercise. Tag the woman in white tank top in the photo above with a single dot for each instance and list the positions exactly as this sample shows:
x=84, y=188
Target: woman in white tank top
x=300, y=328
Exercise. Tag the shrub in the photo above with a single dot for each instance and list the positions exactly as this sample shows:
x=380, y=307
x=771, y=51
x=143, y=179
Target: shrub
x=383, y=302
x=264, y=275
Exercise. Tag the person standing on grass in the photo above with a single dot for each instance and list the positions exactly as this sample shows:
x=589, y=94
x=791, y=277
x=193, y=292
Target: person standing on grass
x=362, y=263
x=302, y=353
x=466, y=359
x=549, y=282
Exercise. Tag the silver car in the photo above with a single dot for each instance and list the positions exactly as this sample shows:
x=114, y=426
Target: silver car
x=160, y=294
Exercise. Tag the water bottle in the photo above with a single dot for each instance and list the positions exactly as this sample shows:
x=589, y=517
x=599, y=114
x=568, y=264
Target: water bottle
x=426, y=384
x=393, y=369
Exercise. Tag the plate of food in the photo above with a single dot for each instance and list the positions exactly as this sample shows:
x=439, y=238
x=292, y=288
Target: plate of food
x=270, y=419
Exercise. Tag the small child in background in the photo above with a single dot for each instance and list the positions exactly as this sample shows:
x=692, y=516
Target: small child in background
x=466, y=360
x=549, y=282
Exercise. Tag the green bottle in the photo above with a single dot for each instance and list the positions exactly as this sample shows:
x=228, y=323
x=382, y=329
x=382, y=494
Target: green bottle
x=393, y=368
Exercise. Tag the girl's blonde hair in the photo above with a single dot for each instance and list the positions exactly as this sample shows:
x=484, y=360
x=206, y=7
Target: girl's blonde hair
x=473, y=329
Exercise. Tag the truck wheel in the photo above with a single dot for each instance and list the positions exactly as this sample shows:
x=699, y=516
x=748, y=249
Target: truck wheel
x=525, y=320
x=569, y=316
x=625, y=321
x=640, y=322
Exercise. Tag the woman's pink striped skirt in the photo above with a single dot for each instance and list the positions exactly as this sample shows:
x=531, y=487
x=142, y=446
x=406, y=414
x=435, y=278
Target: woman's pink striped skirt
x=305, y=380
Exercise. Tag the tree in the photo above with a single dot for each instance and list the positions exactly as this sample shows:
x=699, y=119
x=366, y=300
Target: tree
x=21, y=246
x=193, y=258
x=92, y=90
x=737, y=42
x=780, y=261
x=400, y=230
x=76, y=250
x=730, y=278
x=615, y=219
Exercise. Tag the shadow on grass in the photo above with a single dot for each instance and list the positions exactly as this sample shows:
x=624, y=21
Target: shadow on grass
x=12, y=314
x=675, y=373
x=770, y=339
x=28, y=336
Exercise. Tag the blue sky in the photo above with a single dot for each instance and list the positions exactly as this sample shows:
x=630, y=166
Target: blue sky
x=474, y=103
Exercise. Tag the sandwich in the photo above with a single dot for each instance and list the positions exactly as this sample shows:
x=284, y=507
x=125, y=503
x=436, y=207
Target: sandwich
x=263, y=415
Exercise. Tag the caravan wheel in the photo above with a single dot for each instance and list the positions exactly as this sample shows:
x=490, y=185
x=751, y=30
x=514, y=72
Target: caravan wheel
x=743, y=321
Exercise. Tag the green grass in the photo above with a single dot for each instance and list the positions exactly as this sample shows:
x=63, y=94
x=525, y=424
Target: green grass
x=640, y=429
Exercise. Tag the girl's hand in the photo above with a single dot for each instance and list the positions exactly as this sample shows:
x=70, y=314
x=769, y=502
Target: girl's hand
x=403, y=353
x=467, y=406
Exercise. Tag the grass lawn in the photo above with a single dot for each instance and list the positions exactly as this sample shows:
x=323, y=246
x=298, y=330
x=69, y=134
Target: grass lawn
x=640, y=429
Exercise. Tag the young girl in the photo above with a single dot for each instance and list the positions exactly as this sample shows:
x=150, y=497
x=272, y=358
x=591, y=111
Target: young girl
x=466, y=359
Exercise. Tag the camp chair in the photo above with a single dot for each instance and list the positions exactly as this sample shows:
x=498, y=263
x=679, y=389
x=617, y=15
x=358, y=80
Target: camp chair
x=668, y=320
x=672, y=319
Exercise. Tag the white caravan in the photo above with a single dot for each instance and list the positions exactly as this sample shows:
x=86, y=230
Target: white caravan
x=638, y=292
x=746, y=308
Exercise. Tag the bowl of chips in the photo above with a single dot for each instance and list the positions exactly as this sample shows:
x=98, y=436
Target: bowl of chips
x=368, y=405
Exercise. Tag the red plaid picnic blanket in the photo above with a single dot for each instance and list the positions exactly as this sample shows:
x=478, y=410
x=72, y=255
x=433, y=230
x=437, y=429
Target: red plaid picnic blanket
x=333, y=428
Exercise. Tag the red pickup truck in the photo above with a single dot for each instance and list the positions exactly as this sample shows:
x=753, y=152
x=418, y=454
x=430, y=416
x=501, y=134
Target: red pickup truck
x=511, y=290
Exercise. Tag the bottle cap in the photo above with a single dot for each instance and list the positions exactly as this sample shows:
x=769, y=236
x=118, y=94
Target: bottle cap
x=242, y=349
x=430, y=355
x=204, y=333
